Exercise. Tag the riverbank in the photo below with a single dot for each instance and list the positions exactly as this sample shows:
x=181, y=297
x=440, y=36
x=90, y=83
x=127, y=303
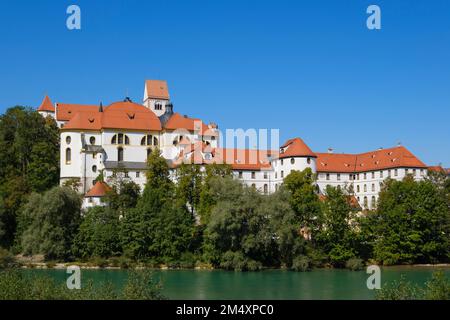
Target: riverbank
x=37, y=262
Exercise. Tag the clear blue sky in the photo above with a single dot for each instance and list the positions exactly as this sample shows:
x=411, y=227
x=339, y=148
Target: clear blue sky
x=310, y=68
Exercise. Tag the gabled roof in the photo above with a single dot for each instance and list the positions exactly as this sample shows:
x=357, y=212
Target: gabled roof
x=156, y=89
x=370, y=161
x=46, y=105
x=295, y=148
x=100, y=189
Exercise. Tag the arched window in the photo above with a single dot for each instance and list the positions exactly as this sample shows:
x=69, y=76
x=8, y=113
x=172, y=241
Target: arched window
x=94, y=168
x=68, y=156
x=357, y=188
x=147, y=140
x=365, y=188
x=92, y=140
x=266, y=189
x=292, y=160
x=120, y=138
x=68, y=139
x=365, y=202
x=374, y=202
x=373, y=187
x=119, y=154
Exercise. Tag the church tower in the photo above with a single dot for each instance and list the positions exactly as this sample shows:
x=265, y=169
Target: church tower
x=156, y=96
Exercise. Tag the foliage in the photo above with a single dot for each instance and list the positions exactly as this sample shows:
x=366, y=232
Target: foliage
x=189, y=185
x=98, y=234
x=413, y=223
x=50, y=222
x=7, y=260
x=437, y=288
x=354, y=264
x=301, y=263
x=16, y=285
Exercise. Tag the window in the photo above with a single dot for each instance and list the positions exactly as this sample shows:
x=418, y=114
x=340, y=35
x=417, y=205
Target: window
x=68, y=156
x=240, y=174
x=406, y=171
x=308, y=160
x=92, y=140
x=373, y=175
x=276, y=175
x=266, y=189
x=396, y=172
x=365, y=188
x=265, y=175
x=373, y=187
x=147, y=140
x=381, y=174
x=339, y=177
x=126, y=174
x=158, y=106
x=389, y=173
x=365, y=176
x=119, y=154
x=120, y=138
x=281, y=161
x=374, y=202
x=282, y=173
x=365, y=202
x=414, y=171
x=253, y=185
x=68, y=139
x=253, y=175
x=292, y=160
x=155, y=141
x=421, y=172
x=339, y=187
x=94, y=168
x=138, y=174
x=357, y=176
x=328, y=176
x=357, y=188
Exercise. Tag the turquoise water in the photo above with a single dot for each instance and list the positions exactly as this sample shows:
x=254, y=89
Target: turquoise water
x=271, y=284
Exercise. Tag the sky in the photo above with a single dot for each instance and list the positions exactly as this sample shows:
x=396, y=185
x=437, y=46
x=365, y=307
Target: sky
x=311, y=69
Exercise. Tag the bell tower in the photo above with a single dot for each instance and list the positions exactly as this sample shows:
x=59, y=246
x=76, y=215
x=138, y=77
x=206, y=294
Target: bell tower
x=156, y=96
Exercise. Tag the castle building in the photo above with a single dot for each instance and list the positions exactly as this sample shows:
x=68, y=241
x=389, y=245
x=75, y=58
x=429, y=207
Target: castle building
x=120, y=136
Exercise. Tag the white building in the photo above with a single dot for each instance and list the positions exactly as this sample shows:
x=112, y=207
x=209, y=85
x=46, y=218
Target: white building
x=98, y=139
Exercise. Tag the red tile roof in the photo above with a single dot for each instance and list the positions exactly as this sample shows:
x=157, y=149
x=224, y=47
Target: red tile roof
x=437, y=169
x=65, y=111
x=119, y=115
x=370, y=161
x=100, y=189
x=177, y=121
x=156, y=89
x=46, y=105
x=295, y=148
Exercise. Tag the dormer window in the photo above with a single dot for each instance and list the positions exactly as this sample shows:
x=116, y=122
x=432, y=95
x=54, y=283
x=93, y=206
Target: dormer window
x=158, y=106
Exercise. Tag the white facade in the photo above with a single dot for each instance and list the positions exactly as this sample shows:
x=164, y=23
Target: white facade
x=86, y=153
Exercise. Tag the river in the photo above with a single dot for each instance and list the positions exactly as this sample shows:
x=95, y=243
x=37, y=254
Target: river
x=270, y=284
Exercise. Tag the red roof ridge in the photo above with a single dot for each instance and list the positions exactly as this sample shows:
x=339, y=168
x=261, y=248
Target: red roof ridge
x=100, y=189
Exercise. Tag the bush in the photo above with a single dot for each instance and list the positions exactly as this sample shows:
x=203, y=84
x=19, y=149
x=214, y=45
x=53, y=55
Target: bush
x=354, y=264
x=99, y=262
x=238, y=262
x=15, y=285
x=7, y=260
x=188, y=260
x=339, y=255
x=437, y=288
x=301, y=263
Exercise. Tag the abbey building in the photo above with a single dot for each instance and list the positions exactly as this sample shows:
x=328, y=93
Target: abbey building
x=97, y=138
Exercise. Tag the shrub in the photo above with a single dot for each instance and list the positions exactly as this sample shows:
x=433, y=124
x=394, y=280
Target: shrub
x=301, y=263
x=339, y=255
x=7, y=260
x=399, y=290
x=438, y=288
x=354, y=264
x=238, y=262
x=188, y=260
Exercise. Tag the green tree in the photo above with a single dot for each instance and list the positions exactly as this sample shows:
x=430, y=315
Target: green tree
x=98, y=234
x=412, y=223
x=304, y=199
x=50, y=222
x=336, y=235
x=159, y=226
x=189, y=185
